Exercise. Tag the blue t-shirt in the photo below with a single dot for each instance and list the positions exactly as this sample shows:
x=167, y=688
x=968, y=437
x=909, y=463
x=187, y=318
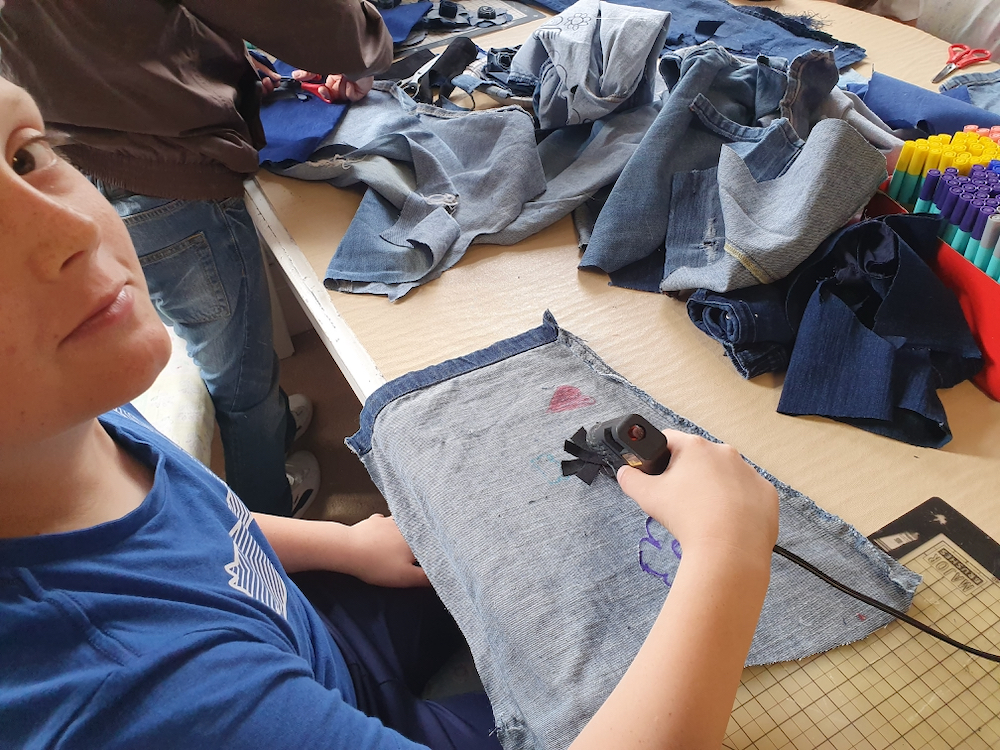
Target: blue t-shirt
x=173, y=626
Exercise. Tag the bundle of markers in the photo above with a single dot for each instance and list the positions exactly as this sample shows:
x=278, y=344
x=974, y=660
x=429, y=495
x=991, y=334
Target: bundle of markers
x=958, y=177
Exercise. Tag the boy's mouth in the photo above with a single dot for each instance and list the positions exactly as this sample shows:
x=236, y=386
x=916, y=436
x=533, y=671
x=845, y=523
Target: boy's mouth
x=111, y=308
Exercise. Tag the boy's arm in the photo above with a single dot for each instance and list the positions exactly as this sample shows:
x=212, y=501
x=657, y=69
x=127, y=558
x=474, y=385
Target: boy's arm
x=372, y=550
x=328, y=36
x=679, y=690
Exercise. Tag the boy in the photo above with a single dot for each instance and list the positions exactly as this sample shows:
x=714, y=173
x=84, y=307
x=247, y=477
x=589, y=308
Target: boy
x=163, y=106
x=142, y=606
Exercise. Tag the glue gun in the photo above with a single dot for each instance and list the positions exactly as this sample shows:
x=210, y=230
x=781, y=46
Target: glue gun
x=604, y=448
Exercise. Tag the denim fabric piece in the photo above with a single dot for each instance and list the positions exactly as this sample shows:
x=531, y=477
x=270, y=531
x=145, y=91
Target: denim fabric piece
x=541, y=571
x=714, y=98
x=747, y=31
x=401, y=19
x=903, y=105
x=979, y=89
x=769, y=185
x=294, y=127
x=590, y=60
x=772, y=225
x=749, y=323
x=867, y=301
x=478, y=168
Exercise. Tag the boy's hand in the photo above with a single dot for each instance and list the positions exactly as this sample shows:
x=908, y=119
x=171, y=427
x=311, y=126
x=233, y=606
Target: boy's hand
x=338, y=87
x=708, y=497
x=380, y=555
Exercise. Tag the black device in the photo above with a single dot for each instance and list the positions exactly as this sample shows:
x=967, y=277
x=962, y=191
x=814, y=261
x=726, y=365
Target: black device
x=609, y=445
x=630, y=440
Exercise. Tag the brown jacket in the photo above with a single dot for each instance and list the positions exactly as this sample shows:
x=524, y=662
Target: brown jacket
x=159, y=96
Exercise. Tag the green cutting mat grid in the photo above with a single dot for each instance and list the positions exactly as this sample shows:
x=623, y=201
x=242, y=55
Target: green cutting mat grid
x=899, y=689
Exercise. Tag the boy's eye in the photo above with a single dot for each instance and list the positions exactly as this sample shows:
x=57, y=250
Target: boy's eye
x=33, y=155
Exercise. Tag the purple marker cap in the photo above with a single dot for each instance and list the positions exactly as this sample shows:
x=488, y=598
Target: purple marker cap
x=969, y=218
x=950, y=201
x=980, y=224
x=977, y=168
x=964, y=178
x=954, y=170
x=941, y=190
x=995, y=202
x=930, y=183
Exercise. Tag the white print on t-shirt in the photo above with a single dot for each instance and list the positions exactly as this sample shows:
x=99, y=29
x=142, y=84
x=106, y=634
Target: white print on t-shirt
x=251, y=571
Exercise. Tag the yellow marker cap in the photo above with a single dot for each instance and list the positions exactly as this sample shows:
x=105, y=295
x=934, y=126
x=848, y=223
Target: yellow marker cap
x=976, y=150
x=964, y=163
x=944, y=138
x=905, y=155
x=933, y=159
x=947, y=160
x=916, y=164
x=960, y=148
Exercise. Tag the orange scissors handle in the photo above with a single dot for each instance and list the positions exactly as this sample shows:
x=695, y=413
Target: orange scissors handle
x=961, y=56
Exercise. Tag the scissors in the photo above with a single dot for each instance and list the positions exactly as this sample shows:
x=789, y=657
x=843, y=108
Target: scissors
x=961, y=56
x=411, y=85
x=312, y=85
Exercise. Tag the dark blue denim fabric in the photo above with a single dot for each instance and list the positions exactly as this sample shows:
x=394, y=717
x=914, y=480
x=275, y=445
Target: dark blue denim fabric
x=746, y=31
x=903, y=105
x=749, y=323
x=295, y=127
x=401, y=19
x=978, y=89
x=878, y=333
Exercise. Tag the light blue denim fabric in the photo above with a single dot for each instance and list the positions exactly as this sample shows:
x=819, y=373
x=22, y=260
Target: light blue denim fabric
x=713, y=187
x=982, y=89
x=203, y=264
x=440, y=179
x=592, y=59
x=554, y=583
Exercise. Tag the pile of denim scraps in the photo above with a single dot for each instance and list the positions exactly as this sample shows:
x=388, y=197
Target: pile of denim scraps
x=558, y=61
x=748, y=166
x=866, y=330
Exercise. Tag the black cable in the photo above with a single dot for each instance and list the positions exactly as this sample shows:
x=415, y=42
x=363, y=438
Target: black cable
x=879, y=605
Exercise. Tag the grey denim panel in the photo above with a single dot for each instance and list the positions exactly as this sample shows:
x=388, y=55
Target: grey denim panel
x=556, y=584
x=592, y=59
x=984, y=89
x=772, y=225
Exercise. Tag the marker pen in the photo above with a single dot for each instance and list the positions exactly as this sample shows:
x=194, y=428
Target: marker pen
x=944, y=184
x=947, y=208
x=900, y=171
x=947, y=159
x=970, y=129
x=933, y=160
x=980, y=254
x=989, y=241
x=961, y=239
x=911, y=180
x=964, y=163
x=927, y=189
x=953, y=219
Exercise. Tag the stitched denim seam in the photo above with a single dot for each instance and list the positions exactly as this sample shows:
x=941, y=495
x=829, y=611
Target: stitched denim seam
x=747, y=262
x=154, y=213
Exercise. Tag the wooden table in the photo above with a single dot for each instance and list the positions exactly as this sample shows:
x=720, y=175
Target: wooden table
x=496, y=292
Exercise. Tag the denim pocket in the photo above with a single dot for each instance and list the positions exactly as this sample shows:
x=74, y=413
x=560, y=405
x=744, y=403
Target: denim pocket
x=188, y=289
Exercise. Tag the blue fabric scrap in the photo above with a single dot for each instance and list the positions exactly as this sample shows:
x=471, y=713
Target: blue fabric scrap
x=401, y=19
x=293, y=126
x=903, y=105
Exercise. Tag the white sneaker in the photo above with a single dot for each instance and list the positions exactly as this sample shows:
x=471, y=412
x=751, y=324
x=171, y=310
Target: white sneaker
x=301, y=407
x=302, y=471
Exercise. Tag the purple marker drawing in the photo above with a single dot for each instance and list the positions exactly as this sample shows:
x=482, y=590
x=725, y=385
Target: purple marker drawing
x=656, y=557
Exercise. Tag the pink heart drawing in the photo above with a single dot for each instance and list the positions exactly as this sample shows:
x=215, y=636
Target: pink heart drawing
x=567, y=398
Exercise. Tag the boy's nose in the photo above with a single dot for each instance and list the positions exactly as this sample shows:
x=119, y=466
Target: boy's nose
x=62, y=236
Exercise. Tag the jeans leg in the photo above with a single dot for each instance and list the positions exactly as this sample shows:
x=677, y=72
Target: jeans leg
x=393, y=641
x=205, y=272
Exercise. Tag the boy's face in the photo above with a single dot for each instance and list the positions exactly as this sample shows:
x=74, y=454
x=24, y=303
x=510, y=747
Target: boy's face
x=78, y=334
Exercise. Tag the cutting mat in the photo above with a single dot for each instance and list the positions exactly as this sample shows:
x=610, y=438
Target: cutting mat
x=899, y=689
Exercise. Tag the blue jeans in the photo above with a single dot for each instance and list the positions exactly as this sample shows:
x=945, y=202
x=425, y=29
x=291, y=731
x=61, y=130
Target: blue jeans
x=205, y=273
